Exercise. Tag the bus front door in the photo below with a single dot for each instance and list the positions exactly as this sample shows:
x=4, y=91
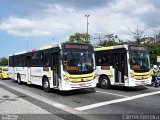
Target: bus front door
x=55, y=68
x=119, y=65
x=28, y=70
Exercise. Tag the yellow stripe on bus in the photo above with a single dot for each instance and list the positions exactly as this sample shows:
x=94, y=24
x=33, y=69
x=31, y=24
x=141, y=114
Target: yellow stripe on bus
x=78, y=78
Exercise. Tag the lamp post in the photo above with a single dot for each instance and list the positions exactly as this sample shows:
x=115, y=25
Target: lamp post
x=87, y=24
x=27, y=45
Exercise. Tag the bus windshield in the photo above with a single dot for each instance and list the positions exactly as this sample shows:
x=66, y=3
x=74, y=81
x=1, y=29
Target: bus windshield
x=139, y=60
x=78, y=62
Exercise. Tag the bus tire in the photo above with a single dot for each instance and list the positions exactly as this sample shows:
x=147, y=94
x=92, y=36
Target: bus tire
x=19, y=79
x=104, y=82
x=2, y=77
x=46, y=84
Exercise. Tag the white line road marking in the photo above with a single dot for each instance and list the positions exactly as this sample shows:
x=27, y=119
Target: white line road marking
x=112, y=94
x=115, y=101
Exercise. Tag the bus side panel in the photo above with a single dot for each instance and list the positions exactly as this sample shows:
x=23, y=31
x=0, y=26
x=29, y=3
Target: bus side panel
x=12, y=72
x=22, y=72
x=37, y=74
x=109, y=73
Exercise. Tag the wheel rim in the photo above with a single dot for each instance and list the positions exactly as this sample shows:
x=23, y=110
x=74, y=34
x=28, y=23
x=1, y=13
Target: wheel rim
x=104, y=82
x=46, y=84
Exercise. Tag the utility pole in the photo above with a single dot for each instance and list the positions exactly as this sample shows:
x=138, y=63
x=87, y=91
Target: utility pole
x=87, y=24
x=27, y=45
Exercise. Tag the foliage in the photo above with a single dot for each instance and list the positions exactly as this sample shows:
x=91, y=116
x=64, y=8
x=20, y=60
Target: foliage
x=3, y=61
x=108, y=40
x=80, y=37
x=154, y=50
x=138, y=34
x=106, y=43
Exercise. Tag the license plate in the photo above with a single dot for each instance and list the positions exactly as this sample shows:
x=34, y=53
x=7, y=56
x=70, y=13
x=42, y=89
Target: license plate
x=83, y=84
x=143, y=82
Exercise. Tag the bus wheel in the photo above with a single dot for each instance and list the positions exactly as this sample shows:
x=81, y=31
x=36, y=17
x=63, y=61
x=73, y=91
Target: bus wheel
x=104, y=82
x=46, y=85
x=19, y=79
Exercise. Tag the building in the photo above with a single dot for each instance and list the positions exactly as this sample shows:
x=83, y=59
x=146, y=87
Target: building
x=147, y=38
x=157, y=38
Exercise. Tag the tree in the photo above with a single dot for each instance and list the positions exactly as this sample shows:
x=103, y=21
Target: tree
x=108, y=40
x=154, y=50
x=137, y=34
x=3, y=61
x=80, y=37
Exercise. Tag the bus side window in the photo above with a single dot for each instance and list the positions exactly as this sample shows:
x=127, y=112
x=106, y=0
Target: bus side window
x=103, y=58
x=36, y=59
x=45, y=59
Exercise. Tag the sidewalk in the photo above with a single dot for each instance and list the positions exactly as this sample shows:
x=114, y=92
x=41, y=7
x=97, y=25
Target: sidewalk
x=12, y=104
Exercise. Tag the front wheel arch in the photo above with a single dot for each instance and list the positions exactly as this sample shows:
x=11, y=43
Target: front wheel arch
x=19, y=79
x=104, y=82
x=46, y=84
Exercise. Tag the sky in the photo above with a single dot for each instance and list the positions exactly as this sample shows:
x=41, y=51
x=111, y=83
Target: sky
x=31, y=24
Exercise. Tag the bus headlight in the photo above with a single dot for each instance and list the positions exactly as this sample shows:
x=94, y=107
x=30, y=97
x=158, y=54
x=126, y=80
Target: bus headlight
x=132, y=75
x=65, y=78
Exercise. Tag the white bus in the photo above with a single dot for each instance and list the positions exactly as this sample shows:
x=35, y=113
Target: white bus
x=123, y=65
x=66, y=66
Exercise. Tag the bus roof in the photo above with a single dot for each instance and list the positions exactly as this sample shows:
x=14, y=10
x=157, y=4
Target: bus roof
x=46, y=47
x=18, y=53
x=110, y=47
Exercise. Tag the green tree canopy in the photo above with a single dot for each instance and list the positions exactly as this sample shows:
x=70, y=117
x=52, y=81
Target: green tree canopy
x=80, y=37
x=154, y=50
x=109, y=40
x=3, y=61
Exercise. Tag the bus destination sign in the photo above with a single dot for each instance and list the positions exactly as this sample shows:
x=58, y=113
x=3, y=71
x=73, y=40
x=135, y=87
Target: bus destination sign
x=83, y=47
x=138, y=48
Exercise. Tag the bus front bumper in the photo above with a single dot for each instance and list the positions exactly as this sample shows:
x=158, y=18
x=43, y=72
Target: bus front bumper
x=79, y=85
x=142, y=82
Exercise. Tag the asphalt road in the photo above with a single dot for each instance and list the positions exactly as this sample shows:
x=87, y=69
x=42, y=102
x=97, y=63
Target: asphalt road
x=115, y=103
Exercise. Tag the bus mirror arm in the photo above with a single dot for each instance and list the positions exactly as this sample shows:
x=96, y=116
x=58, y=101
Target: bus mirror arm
x=61, y=55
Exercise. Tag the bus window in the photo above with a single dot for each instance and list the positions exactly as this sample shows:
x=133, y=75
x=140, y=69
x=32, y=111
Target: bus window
x=103, y=58
x=36, y=59
x=45, y=59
